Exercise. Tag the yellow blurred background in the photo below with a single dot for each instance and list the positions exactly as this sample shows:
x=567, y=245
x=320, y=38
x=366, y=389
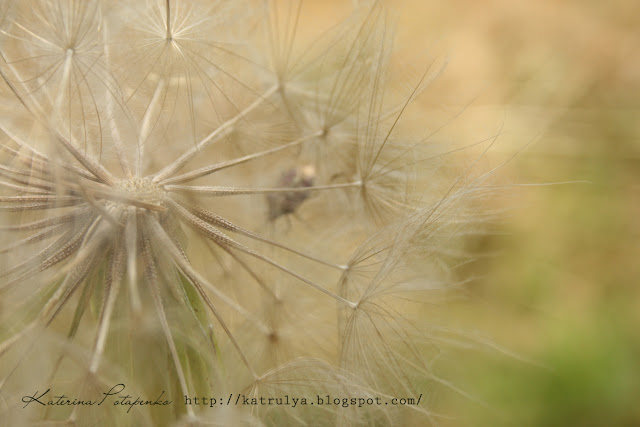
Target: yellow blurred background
x=562, y=285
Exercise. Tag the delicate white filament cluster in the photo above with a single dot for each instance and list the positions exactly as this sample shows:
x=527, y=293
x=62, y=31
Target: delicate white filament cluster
x=141, y=190
x=192, y=203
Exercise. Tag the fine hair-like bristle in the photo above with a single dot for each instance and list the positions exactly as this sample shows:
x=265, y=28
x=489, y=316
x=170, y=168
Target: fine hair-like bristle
x=196, y=200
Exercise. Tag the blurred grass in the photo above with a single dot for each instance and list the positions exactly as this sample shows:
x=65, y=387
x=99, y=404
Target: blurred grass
x=563, y=288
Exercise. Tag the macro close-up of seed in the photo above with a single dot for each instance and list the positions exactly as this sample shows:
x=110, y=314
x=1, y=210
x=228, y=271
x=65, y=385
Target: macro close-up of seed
x=242, y=213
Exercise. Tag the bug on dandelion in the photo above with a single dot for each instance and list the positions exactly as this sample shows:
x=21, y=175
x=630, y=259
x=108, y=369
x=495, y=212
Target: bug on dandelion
x=297, y=178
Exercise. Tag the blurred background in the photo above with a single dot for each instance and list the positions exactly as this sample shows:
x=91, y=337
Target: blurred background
x=560, y=292
x=562, y=287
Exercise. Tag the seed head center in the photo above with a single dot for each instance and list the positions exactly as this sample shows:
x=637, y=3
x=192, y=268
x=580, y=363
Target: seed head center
x=141, y=190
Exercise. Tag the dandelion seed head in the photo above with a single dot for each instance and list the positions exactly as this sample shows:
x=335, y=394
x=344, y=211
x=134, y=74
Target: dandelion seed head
x=150, y=153
x=142, y=189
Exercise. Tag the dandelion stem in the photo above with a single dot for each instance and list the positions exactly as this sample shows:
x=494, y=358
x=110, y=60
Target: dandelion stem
x=152, y=275
x=223, y=240
x=397, y=119
x=40, y=159
x=42, y=235
x=168, y=12
x=217, y=220
x=214, y=136
x=111, y=291
x=147, y=125
x=95, y=169
x=77, y=216
x=196, y=280
x=215, y=191
x=198, y=173
x=23, y=189
x=131, y=248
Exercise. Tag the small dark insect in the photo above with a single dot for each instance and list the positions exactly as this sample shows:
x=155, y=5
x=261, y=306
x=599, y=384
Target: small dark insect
x=286, y=202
